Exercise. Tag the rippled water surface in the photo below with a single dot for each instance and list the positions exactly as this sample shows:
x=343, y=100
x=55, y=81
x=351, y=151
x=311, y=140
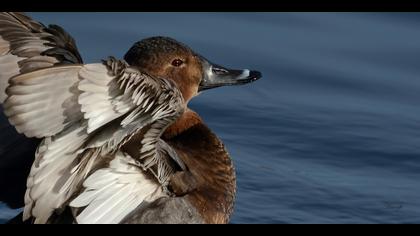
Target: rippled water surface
x=331, y=134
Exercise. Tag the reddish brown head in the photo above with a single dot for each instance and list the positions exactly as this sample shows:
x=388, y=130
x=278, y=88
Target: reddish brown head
x=167, y=58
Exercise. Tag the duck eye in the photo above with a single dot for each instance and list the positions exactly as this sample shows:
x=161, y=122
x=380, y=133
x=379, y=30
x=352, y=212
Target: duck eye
x=177, y=62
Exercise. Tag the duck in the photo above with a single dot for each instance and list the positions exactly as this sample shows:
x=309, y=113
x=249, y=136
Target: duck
x=116, y=140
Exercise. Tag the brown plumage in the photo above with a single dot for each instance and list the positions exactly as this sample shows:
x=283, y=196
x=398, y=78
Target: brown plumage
x=212, y=170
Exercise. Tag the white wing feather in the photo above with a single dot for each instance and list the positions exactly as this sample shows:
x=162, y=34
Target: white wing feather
x=54, y=161
x=112, y=193
x=39, y=102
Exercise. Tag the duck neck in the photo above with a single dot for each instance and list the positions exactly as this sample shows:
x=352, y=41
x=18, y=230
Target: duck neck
x=187, y=120
x=208, y=161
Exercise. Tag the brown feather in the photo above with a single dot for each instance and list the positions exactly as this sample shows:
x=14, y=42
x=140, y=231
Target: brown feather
x=213, y=170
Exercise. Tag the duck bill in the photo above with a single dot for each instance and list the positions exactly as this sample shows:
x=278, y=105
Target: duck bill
x=217, y=76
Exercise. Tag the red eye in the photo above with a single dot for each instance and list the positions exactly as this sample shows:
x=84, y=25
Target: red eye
x=177, y=62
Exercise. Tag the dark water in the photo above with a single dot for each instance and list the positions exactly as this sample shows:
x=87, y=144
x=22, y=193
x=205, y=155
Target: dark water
x=331, y=134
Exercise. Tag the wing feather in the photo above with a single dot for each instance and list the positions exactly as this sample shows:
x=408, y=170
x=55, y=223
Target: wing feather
x=43, y=97
x=112, y=193
x=27, y=45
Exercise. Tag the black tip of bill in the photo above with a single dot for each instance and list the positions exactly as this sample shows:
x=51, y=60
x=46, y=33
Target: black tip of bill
x=218, y=76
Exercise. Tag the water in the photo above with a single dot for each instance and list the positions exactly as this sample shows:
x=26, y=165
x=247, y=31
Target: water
x=331, y=132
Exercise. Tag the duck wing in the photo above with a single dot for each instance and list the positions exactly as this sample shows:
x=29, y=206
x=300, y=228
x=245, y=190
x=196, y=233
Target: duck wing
x=85, y=112
x=25, y=45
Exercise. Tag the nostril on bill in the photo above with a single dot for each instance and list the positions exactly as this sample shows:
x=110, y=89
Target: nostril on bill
x=219, y=70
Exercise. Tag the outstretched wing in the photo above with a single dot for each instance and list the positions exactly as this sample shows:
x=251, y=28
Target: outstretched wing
x=83, y=112
x=92, y=112
x=27, y=45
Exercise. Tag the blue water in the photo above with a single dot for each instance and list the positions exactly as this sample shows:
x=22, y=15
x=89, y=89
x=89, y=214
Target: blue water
x=331, y=134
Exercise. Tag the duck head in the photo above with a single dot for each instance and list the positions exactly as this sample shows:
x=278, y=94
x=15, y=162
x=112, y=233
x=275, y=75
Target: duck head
x=167, y=58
